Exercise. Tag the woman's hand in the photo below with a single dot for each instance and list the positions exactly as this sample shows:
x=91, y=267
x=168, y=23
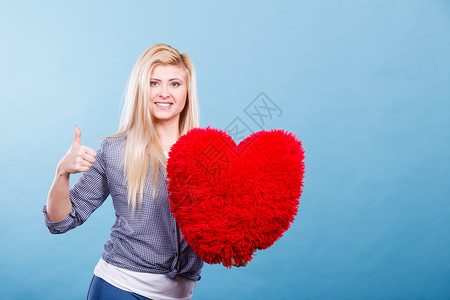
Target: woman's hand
x=78, y=159
x=242, y=263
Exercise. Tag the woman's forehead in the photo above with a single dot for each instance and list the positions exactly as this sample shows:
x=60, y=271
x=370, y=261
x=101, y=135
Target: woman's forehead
x=168, y=71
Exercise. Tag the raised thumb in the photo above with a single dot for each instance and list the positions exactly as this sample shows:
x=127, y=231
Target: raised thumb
x=76, y=139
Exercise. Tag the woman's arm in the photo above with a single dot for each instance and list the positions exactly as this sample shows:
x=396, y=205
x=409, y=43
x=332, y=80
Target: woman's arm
x=58, y=202
x=78, y=159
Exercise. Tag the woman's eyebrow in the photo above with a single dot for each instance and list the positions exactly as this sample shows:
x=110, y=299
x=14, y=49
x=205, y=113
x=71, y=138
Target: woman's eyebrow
x=169, y=79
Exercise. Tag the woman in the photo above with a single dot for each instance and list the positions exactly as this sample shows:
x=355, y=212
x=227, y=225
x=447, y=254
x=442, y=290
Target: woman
x=146, y=256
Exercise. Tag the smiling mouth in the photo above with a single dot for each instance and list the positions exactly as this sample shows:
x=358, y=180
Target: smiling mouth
x=164, y=104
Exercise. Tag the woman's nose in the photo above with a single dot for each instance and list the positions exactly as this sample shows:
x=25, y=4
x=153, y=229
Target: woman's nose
x=163, y=92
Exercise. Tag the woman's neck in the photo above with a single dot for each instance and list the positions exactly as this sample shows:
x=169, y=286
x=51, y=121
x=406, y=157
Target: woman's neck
x=167, y=133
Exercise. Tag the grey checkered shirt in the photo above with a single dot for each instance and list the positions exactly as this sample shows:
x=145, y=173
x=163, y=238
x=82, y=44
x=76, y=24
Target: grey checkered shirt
x=145, y=242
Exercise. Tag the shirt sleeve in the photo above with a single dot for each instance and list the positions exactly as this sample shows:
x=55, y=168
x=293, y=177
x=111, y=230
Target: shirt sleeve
x=86, y=195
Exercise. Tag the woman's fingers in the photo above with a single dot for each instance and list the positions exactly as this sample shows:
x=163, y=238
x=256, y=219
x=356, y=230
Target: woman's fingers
x=232, y=261
x=84, y=163
x=88, y=157
x=89, y=151
x=84, y=169
x=85, y=159
x=242, y=263
x=78, y=159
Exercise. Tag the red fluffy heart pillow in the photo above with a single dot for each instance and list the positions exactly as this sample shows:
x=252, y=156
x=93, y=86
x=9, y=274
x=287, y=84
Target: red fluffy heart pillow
x=231, y=200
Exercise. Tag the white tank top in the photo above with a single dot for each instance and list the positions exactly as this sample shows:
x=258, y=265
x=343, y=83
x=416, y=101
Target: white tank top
x=153, y=286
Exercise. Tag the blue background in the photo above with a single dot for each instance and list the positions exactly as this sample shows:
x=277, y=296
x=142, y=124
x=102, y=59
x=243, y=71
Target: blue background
x=364, y=84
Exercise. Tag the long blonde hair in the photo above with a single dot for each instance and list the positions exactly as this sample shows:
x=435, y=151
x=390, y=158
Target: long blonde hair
x=136, y=123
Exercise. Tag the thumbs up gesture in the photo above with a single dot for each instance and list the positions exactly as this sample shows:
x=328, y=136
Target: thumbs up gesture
x=78, y=159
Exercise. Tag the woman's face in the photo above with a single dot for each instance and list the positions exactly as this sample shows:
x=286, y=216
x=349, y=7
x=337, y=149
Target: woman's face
x=168, y=92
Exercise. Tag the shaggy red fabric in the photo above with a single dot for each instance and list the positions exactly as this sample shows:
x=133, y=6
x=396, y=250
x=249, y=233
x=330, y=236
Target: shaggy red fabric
x=231, y=200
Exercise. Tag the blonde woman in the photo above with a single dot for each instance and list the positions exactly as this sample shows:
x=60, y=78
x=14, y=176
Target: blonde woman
x=146, y=256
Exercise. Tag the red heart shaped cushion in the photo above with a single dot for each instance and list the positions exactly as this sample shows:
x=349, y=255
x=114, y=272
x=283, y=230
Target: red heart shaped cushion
x=230, y=200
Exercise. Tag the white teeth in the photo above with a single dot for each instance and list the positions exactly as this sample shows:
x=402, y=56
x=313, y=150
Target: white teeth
x=164, y=104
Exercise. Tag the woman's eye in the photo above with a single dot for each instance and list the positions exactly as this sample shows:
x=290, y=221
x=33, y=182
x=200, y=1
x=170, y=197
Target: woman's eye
x=153, y=83
x=175, y=84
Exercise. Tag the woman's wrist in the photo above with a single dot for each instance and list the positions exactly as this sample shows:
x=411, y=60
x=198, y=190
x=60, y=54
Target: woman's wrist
x=61, y=172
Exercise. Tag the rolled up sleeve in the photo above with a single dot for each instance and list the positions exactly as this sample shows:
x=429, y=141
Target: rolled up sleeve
x=86, y=195
x=61, y=226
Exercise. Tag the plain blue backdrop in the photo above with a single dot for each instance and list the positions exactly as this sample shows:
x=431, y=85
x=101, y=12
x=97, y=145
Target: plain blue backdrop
x=364, y=84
